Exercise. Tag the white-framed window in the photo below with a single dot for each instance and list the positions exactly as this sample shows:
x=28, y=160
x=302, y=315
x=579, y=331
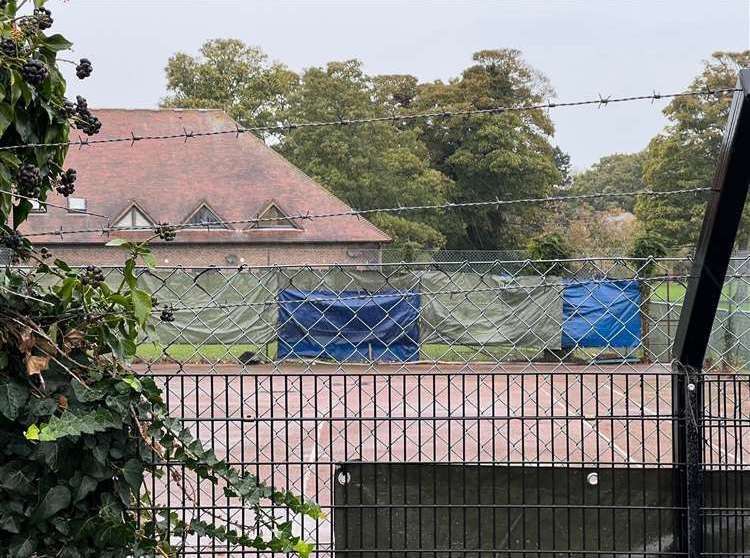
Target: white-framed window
x=204, y=216
x=274, y=218
x=38, y=207
x=76, y=205
x=133, y=218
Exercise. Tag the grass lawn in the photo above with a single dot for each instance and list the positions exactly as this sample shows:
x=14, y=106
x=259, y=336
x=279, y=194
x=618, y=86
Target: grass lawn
x=730, y=298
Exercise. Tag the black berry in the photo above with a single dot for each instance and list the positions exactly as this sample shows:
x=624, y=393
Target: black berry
x=166, y=232
x=67, y=182
x=68, y=109
x=43, y=18
x=84, y=68
x=93, y=276
x=34, y=72
x=8, y=47
x=28, y=178
x=13, y=240
x=167, y=315
x=86, y=121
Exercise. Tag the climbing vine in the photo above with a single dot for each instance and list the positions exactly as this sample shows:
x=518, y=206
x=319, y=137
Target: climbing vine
x=78, y=430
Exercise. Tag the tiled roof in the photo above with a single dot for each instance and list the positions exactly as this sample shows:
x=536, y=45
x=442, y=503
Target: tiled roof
x=236, y=176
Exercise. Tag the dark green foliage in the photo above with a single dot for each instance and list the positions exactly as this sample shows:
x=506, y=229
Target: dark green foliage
x=78, y=431
x=548, y=247
x=684, y=155
x=648, y=246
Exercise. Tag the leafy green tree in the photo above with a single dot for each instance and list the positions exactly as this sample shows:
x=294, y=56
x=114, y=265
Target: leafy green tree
x=489, y=156
x=684, y=155
x=620, y=172
x=232, y=76
x=372, y=166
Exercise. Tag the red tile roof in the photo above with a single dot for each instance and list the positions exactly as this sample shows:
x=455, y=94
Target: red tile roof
x=238, y=177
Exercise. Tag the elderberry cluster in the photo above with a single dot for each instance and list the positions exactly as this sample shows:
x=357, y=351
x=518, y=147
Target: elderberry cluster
x=67, y=183
x=166, y=232
x=167, y=314
x=93, y=276
x=28, y=179
x=84, y=68
x=85, y=121
x=34, y=72
x=43, y=18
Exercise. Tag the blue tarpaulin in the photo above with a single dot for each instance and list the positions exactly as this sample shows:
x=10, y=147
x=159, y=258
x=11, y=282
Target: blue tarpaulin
x=349, y=325
x=601, y=313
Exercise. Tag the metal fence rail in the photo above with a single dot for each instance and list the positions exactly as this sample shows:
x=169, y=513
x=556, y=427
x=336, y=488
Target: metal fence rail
x=486, y=440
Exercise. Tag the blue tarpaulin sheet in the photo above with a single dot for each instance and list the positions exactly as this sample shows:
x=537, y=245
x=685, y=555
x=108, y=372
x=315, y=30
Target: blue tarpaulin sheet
x=601, y=313
x=349, y=325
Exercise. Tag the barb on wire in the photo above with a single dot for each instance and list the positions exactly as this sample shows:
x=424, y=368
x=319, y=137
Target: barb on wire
x=51, y=204
x=439, y=114
x=400, y=209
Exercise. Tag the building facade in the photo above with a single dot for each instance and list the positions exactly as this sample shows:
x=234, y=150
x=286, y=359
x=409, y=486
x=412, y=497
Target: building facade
x=244, y=203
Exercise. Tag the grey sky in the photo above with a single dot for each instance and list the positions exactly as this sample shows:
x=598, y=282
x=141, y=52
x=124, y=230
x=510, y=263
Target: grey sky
x=585, y=47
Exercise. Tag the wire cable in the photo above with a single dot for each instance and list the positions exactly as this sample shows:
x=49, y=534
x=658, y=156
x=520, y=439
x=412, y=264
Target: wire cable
x=218, y=225
x=185, y=135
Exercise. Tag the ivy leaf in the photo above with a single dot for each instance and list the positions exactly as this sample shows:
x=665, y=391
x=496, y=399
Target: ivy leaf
x=56, y=43
x=132, y=472
x=133, y=382
x=56, y=499
x=13, y=397
x=149, y=259
x=6, y=117
x=303, y=548
x=117, y=242
x=72, y=424
x=141, y=305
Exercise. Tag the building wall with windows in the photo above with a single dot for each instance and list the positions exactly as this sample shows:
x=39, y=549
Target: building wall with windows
x=234, y=198
x=222, y=255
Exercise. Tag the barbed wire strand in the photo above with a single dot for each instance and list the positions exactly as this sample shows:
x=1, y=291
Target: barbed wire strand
x=218, y=225
x=185, y=135
x=51, y=204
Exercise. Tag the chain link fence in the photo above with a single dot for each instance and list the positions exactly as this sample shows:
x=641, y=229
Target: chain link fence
x=447, y=408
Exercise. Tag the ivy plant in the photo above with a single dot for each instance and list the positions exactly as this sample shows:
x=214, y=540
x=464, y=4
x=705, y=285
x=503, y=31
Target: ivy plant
x=79, y=431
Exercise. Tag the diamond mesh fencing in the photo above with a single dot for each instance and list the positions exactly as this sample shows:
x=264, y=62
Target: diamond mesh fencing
x=513, y=408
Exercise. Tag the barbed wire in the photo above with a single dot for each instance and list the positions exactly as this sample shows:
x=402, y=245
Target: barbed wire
x=51, y=204
x=185, y=135
x=219, y=225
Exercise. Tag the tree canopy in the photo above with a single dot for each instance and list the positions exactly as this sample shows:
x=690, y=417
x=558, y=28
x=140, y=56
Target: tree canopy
x=684, y=155
x=388, y=164
x=619, y=172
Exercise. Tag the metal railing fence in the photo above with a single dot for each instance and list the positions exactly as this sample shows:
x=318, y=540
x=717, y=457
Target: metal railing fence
x=498, y=408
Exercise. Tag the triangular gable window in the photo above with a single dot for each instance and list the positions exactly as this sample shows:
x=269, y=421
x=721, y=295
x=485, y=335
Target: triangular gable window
x=204, y=216
x=273, y=218
x=133, y=218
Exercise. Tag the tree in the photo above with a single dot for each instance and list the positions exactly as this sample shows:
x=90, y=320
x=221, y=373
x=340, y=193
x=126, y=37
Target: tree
x=232, y=76
x=620, y=172
x=684, y=155
x=372, y=166
x=489, y=156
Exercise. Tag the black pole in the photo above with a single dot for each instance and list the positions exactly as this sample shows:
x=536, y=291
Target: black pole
x=713, y=253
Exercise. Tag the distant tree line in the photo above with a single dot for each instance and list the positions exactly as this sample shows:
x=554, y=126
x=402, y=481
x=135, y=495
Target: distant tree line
x=472, y=158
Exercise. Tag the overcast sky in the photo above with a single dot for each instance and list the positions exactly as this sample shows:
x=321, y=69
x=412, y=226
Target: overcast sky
x=585, y=47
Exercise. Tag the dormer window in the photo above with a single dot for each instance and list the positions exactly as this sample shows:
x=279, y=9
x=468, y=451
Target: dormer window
x=134, y=218
x=274, y=218
x=205, y=217
x=76, y=205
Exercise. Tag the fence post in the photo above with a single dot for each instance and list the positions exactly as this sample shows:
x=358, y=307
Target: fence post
x=713, y=252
